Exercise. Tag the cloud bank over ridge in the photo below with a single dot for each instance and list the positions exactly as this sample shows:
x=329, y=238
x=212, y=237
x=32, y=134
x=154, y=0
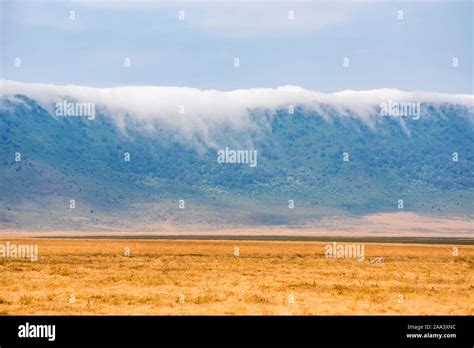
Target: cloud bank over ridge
x=192, y=112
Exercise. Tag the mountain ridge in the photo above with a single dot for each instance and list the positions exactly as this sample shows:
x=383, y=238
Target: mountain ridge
x=301, y=158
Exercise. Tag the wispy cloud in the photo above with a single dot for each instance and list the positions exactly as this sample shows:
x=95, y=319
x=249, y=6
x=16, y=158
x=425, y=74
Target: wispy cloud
x=40, y=15
x=262, y=19
x=224, y=18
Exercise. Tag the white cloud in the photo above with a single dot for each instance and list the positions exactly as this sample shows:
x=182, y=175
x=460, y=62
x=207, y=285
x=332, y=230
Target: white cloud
x=210, y=114
x=269, y=19
x=39, y=15
x=224, y=18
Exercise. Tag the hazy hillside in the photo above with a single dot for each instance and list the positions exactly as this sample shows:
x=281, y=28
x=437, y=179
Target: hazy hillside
x=174, y=157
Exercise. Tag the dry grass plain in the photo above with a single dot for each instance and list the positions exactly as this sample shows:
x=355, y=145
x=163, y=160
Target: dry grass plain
x=94, y=277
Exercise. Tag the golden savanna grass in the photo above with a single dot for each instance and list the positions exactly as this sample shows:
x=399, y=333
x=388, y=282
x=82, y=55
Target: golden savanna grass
x=415, y=279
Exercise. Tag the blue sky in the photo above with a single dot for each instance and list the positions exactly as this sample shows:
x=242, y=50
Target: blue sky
x=414, y=53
